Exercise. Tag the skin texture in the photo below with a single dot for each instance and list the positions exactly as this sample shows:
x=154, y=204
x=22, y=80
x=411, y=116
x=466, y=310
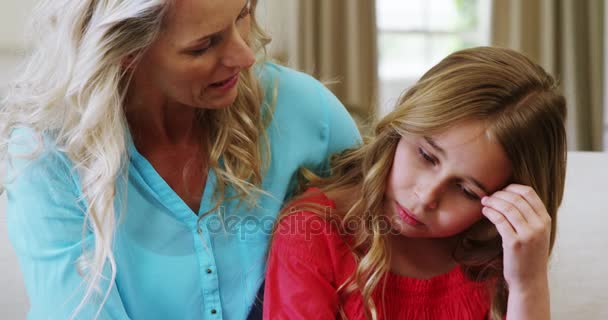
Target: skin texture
x=525, y=228
x=432, y=180
x=203, y=42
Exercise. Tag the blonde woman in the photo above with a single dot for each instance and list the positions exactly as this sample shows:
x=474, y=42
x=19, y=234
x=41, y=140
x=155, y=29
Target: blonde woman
x=147, y=156
x=448, y=212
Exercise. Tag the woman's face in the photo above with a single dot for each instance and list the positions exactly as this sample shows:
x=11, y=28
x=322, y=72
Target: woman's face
x=436, y=182
x=199, y=54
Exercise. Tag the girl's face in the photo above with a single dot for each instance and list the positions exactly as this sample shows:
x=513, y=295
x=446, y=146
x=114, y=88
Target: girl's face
x=199, y=54
x=436, y=183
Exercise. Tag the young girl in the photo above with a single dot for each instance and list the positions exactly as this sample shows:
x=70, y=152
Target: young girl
x=448, y=212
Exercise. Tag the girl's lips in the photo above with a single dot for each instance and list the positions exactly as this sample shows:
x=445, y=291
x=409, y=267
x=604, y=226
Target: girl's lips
x=407, y=216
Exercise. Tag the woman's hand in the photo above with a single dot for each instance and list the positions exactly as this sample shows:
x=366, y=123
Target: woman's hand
x=525, y=227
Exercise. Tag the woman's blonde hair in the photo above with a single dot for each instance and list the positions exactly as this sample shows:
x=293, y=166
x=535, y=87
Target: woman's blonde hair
x=519, y=103
x=72, y=90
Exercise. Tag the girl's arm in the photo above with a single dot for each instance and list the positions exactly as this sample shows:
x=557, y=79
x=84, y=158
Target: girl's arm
x=525, y=227
x=299, y=280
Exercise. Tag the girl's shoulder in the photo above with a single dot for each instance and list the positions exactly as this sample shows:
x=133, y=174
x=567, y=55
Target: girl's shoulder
x=310, y=211
x=309, y=228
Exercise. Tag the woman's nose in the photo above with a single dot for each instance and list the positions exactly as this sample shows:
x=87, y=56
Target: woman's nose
x=238, y=53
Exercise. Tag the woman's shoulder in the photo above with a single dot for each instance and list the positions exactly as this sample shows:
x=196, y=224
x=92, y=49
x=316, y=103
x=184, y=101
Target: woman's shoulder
x=29, y=144
x=302, y=104
x=34, y=156
x=296, y=90
x=272, y=74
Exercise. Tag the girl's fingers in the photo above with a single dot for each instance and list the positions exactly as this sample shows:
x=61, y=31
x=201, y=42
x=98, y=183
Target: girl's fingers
x=522, y=205
x=531, y=197
x=509, y=211
x=501, y=222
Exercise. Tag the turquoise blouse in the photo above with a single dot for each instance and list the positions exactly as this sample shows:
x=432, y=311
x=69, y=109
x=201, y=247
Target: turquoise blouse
x=168, y=265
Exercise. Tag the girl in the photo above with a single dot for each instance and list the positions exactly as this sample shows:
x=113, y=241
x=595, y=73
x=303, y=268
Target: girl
x=131, y=123
x=448, y=212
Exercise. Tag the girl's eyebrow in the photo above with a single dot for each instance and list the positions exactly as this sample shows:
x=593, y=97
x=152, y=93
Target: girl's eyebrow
x=478, y=184
x=434, y=144
x=440, y=150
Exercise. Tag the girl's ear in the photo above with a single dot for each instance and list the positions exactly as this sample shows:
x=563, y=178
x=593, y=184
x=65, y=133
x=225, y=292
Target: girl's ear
x=483, y=230
x=480, y=243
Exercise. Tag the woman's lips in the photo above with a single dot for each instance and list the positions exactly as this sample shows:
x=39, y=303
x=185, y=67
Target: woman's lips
x=407, y=216
x=227, y=83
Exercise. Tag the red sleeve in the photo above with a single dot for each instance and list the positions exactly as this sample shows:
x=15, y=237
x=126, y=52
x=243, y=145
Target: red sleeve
x=299, y=278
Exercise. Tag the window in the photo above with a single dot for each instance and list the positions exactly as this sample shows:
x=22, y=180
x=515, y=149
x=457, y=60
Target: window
x=414, y=35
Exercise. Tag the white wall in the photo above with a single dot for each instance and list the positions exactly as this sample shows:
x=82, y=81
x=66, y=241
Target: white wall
x=279, y=19
x=13, y=298
x=605, y=75
x=13, y=17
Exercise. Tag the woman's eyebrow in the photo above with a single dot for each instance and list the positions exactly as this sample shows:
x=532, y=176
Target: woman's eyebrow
x=213, y=34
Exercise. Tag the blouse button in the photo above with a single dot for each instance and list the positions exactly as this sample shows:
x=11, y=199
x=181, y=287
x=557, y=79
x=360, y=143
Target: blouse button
x=213, y=311
x=209, y=271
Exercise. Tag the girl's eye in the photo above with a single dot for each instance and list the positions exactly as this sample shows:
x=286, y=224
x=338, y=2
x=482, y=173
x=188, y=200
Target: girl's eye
x=426, y=156
x=469, y=194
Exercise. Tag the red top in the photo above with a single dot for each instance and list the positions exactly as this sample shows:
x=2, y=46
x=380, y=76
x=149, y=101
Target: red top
x=309, y=260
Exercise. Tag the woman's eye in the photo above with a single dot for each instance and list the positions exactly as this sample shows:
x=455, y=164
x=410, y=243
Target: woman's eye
x=246, y=11
x=208, y=45
x=198, y=52
x=426, y=156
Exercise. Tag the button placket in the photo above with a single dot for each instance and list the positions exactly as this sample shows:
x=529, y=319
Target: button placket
x=211, y=299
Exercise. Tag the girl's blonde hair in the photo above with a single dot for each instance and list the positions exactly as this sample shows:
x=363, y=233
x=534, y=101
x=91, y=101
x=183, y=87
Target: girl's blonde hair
x=519, y=103
x=72, y=90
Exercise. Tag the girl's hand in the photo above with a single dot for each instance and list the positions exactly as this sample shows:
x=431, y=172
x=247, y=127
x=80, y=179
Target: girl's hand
x=525, y=227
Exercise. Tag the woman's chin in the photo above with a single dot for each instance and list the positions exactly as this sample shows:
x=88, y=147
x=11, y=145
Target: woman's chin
x=218, y=101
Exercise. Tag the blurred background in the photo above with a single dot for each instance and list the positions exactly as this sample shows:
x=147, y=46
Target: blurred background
x=369, y=51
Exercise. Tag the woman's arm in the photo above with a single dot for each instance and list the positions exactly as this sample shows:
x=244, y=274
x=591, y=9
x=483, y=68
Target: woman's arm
x=45, y=222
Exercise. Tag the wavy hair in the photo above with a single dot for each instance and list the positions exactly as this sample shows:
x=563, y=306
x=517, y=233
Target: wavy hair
x=523, y=111
x=72, y=87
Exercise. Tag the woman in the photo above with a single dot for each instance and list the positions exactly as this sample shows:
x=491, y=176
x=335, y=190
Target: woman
x=148, y=154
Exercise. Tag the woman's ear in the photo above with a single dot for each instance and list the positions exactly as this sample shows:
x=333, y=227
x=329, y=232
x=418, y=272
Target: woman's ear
x=128, y=62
